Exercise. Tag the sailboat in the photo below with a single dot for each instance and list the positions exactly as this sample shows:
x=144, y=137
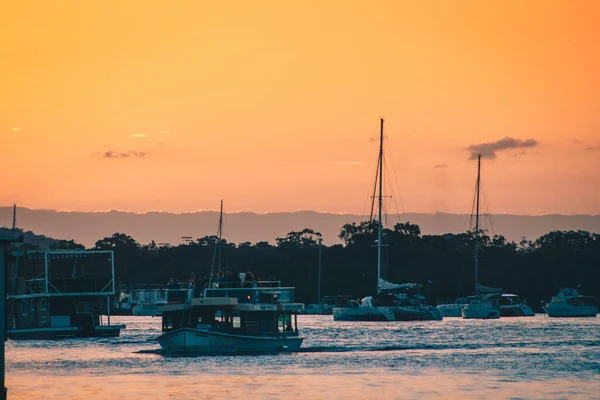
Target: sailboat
x=484, y=305
x=392, y=302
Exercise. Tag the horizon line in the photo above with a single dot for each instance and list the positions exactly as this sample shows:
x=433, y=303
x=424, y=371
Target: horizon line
x=279, y=212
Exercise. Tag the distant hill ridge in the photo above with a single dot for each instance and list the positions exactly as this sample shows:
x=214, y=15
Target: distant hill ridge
x=88, y=227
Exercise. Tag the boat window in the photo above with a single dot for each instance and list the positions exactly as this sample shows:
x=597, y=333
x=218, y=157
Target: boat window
x=135, y=295
x=237, y=321
x=220, y=316
x=25, y=309
x=283, y=319
x=43, y=319
x=43, y=304
x=32, y=304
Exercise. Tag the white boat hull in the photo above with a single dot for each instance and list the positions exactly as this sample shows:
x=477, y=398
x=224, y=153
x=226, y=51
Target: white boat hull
x=451, y=310
x=480, y=311
x=422, y=313
x=571, y=311
x=516, y=310
x=189, y=340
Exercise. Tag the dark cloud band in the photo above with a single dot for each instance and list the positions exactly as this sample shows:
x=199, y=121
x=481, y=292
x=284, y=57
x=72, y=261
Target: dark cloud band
x=488, y=150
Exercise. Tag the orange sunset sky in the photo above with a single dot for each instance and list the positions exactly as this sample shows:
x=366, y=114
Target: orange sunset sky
x=274, y=105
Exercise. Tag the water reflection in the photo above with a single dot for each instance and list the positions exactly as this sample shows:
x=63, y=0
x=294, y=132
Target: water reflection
x=508, y=358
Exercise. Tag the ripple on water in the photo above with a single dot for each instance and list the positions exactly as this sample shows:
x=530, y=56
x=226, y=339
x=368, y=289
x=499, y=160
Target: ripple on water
x=518, y=358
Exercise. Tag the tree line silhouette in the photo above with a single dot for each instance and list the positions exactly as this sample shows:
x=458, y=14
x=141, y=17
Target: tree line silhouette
x=443, y=264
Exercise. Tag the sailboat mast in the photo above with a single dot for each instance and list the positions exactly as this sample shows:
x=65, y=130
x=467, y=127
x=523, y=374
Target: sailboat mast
x=380, y=203
x=477, y=218
x=220, y=234
x=319, y=280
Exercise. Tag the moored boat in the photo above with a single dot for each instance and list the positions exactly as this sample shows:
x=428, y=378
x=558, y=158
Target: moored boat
x=453, y=309
x=570, y=303
x=482, y=305
x=392, y=302
x=511, y=305
x=398, y=302
x=61, y=294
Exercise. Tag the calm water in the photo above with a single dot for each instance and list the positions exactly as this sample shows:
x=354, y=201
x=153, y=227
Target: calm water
x=517, y=358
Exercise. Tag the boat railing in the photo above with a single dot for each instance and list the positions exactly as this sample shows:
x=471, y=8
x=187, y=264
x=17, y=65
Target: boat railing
x=216, y=284
x=254, y=294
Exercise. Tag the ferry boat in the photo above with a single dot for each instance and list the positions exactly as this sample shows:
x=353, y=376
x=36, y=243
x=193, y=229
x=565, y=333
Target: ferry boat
x=61, y=294
x=238, y=317
x=570, y=303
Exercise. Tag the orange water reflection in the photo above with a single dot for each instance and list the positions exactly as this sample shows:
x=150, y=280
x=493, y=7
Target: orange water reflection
x=371, y=385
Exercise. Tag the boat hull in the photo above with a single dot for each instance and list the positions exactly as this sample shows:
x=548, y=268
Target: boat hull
x=451, y=310
x=316, y=312
x=517, y=310
x=64, y=333
x=571, y=311
x=373, y=314
x=146, y=312
x=194, y=341
x=480, y=313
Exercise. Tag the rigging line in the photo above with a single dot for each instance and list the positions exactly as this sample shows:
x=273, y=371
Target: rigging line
x=212, y=267
x=368, y=197
x=396, y=180
x=374, y=189
x=394, y=199
x=391, y=185
x=489, y=210
x=473, y=208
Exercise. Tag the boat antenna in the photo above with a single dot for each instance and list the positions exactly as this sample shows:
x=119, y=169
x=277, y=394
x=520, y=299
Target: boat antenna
x=477, y=218
x=380, y=202
x=14, y=225
x=217, y=248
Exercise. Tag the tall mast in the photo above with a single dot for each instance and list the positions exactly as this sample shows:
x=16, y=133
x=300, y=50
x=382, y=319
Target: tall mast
x=319, y=283
x=14, y=225
x=220, y=233
x=477, y=218
x=380, y=203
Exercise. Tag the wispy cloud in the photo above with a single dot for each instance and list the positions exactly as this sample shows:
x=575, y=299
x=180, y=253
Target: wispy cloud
x=163, y=132
x=117, y=154
x=440, y=166
x=138, y=135
x=349, y=163
x=488, y=150
x=593, y=147
x=16, y=129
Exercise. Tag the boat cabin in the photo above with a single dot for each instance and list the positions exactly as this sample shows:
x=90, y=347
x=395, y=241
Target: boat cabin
x=264, y=308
